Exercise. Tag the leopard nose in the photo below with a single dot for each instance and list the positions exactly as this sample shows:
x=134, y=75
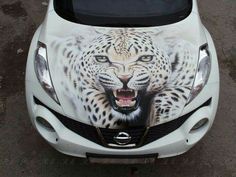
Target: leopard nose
x=125, y=78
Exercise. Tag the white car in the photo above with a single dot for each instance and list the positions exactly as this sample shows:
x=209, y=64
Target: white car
x=125, y=81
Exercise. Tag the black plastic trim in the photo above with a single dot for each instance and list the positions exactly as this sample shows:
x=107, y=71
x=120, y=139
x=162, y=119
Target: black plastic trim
x=121, y=156
x=84, y=130
x=90, y=132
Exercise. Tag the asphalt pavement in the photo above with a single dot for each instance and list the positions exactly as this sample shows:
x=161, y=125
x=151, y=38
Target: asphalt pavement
x=23, y=153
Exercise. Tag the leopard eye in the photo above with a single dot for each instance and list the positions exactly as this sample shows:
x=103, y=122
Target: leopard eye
x=146, y=58
x=101, y=58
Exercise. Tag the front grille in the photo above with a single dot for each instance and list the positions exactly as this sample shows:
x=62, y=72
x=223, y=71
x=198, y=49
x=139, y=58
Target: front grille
x=140, y=135
x=136, y=134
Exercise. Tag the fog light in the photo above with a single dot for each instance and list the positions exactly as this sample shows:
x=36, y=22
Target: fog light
x=199, y=124
x=45, y=124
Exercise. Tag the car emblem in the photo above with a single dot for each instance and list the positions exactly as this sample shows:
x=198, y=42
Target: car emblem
x=122, y=138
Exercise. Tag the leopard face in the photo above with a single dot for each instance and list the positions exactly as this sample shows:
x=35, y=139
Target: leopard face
x=123, y=76
x=126, y=67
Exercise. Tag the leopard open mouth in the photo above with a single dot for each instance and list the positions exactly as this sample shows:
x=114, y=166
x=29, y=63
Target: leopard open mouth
x=125, y=100
x=125, y=97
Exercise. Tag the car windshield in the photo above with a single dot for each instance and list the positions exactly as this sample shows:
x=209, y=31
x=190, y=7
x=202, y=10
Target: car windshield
x=123, y=12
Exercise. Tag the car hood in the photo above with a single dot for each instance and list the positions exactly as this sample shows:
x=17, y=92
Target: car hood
x=122, y=77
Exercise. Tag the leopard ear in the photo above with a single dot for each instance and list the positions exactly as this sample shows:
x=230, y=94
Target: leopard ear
x=77, y=40
x=157, y=37
x=156, y=32
x=164, y=39
x=100, y=30
x=83, y=36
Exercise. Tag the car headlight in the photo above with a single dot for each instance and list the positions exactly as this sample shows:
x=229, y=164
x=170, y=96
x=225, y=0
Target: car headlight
x=203, y=72
x=42, y=71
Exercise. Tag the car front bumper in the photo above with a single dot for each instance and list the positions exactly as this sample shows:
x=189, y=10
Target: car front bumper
x=175, y=143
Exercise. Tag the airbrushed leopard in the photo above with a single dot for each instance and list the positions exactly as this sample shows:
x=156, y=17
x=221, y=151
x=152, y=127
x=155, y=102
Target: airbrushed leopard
x=126, y=77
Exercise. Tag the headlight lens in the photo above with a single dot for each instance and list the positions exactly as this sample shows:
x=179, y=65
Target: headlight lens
x=42, y=71
x=203, y=72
